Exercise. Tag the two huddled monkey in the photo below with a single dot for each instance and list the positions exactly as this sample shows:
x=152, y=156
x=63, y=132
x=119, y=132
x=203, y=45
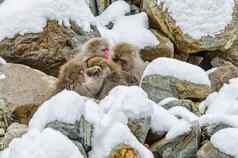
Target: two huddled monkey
x=98, y=66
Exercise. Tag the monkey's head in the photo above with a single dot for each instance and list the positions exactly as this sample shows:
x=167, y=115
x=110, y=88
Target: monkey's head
x=126, y=55
x=71, y=76
x=97, y=47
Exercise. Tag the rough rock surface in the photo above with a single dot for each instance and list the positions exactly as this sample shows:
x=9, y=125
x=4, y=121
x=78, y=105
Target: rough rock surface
x=164, y=49
x=160, y=87
x=209, y=151
x=163, y=21
x=14, y=130
x=45, y=51
x=24, y=89
x=222, y=75
x=123, y=151
x=181, y=147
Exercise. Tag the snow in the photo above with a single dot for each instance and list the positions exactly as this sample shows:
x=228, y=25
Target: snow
x=59, y=108
x=116, y=135
x=32, y=15
x=163, y=121
x=233, y=81
x=167, y=100
x=2, y=61
x=216, y=119
x=226, y=141
x=178, y=69
x=114, y=11
x=48, y=144
x=132, y=29
x=203, y=18
x=223, y=102
x=184, y=113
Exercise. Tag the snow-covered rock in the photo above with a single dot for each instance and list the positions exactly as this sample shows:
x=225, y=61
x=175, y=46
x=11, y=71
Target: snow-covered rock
x=33, y=15
x=195, y=27
x=48, y=144
x=132, y=29
x=178, y=69
x=226, y=141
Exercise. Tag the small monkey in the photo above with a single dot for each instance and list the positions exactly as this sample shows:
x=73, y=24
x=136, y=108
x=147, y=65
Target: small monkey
x=128, y=57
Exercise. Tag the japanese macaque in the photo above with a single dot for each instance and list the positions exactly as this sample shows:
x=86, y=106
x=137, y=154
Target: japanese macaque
x=85, y=73
x=87, y=80
x=128, y=57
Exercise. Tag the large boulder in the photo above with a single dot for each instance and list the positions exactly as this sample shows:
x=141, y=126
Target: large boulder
x=196, y=28
x=47, y=50
x=160, y=87
x=24, y=89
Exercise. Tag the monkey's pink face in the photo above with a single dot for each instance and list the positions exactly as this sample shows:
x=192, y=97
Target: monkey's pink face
x=106, y=53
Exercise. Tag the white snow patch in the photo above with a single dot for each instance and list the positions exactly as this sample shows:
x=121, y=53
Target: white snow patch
x=203, y=18
x=223, y=102
x=131, y=29
x=126, y=102
x=178, y=69
x=216, y=119
x=233, y=81
x=31, y=16
x=226, y=141
x=48, y=144
x=2, y=61
x=167, y=100
x=116, y=135
x=163, y=121
x=114, y=11
x=66, y=106
x=184, y=113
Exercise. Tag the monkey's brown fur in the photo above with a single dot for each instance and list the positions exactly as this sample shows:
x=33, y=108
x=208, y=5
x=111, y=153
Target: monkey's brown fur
x=128, y=57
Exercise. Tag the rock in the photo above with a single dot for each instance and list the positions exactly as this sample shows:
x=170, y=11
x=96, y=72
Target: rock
x=140, y=128
x=123, y=151
x=222, y=75
x=24, y=89
x=5, y=115
x=218, y=61
x=162, y=19
x=45, y=51
x=14, y=131
x=116, y=79
x=164, y=49
x=153, y=137
x=212, y=129
x=160, y=87
x=184, y=103
x=182, y=147
x=80, y=132
x=209, y=151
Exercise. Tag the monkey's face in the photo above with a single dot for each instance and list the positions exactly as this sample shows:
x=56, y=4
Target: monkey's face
x=125, y=62
x=98, y=47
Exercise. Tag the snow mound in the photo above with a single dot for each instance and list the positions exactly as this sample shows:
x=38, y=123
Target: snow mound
x=116, y=135
x=226, y=141
x=223, y=102
x=126, y=102
x=66, y=106
x=46, y=144
x=32, y=15
x=114, y=11
x=2, y=61
x=178, y=69
x=203, y=18
x=131, y=29
x=163, y=121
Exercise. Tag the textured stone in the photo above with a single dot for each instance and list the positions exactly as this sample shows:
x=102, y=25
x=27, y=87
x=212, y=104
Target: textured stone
x=24, y=89
x=161, y=87
x=47, y=50
x=182, y=147
x=162, y=20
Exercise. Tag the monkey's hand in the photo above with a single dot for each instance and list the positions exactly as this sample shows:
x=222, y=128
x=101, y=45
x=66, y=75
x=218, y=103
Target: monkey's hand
x=93, y=71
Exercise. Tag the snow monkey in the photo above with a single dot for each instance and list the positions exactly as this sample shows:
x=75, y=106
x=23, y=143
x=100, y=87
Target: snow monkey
x=85, y=73
x=128, y=57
